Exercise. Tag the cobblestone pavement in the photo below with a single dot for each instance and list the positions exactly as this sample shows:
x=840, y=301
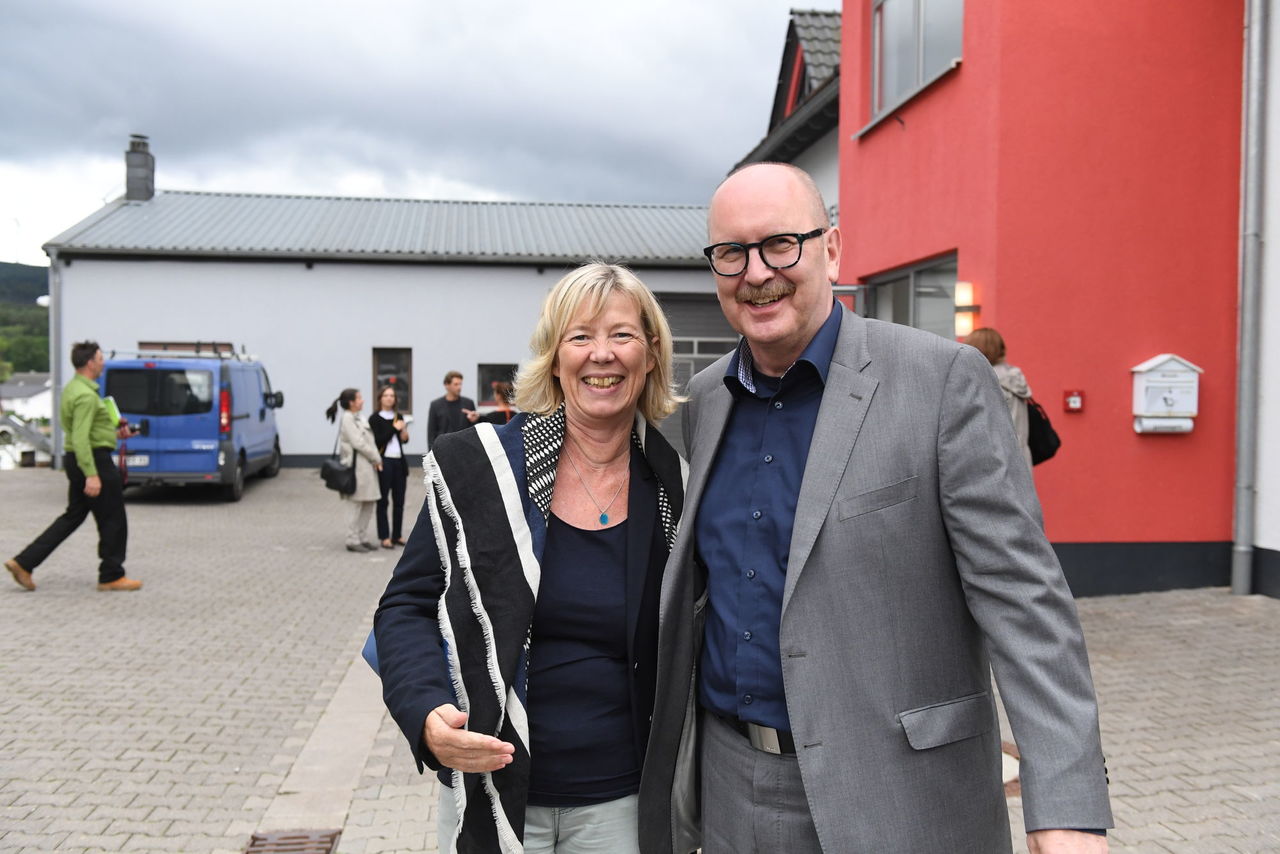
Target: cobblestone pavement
x=169, y=719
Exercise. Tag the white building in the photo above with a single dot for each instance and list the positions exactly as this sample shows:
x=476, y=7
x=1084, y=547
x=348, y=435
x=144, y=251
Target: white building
x=27, y=394
x=337, y=292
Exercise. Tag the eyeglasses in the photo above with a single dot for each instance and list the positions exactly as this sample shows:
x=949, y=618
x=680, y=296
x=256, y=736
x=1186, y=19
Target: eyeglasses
x=778, y=252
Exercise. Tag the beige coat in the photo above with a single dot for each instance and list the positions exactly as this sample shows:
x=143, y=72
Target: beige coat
x=355, y=439
x=1016, y=392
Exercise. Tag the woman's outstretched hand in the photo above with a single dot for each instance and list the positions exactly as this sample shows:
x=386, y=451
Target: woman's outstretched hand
x=455, y=747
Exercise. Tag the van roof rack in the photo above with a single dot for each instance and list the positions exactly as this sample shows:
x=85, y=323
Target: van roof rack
x=196, y=349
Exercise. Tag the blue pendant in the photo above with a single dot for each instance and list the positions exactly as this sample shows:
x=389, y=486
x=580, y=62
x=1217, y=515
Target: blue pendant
x=604, y=518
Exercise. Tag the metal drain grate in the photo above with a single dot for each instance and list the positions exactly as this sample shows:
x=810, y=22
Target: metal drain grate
x=294, y=842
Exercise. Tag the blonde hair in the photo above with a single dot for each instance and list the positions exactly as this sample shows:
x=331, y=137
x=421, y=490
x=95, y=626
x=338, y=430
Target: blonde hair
x=538, y=390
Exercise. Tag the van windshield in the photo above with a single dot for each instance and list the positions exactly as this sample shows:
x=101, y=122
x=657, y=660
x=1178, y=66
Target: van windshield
x=161, y=391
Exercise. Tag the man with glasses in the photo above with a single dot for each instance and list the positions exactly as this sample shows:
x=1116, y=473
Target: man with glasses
x=861, y=544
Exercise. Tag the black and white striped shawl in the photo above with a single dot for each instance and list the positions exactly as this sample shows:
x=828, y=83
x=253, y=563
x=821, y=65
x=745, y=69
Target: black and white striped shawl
x=489, y=499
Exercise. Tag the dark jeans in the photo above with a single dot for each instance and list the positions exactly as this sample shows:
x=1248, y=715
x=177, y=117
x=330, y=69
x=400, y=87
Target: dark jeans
x=392, y=478
x=107, y=509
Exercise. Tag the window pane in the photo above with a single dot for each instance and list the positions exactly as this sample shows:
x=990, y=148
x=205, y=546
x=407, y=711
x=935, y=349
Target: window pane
x=943, y=27
x=161, y=391
x=393, y=366
x=897, y=39
x=892, y=301
x=935, y=300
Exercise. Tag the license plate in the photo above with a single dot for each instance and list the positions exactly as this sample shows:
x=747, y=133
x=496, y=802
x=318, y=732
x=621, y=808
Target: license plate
x=133, y=460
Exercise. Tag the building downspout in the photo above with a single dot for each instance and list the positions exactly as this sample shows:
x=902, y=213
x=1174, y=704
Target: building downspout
x=55, y=356
x=1252, y=196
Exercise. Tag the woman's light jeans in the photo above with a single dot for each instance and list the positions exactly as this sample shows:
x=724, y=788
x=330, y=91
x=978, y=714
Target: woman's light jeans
x=608, y=828
x=359, y=514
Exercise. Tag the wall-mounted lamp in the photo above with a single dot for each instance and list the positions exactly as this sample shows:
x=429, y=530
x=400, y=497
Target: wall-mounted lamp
x=966, y=309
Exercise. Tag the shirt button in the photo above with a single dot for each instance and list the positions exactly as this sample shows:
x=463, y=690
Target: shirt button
x=746, y=635
x=756, y=514
x=751, y=573
x=746, y=698
x=768, y=458
x=777, y=404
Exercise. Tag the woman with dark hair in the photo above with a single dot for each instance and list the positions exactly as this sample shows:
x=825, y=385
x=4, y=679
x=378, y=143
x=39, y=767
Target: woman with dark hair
x=356, y=447
x=390, y=432
x=503, y=393
x=517, y=639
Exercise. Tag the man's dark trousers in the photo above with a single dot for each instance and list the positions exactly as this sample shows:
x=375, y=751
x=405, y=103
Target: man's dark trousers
x=107, y=509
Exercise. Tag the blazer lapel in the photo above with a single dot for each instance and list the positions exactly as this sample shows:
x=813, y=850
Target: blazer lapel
x=713, y=407
x=845, y=402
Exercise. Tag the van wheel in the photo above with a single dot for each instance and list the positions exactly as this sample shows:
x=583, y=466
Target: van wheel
x=234, y=490
x=273, y=467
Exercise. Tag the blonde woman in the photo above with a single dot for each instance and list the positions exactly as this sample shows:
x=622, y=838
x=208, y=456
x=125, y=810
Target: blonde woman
x=517, y=640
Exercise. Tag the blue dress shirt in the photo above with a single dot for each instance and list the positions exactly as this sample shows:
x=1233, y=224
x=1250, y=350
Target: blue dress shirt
x=744, y=525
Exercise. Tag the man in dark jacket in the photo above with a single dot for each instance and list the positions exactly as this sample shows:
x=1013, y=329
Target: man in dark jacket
x=448, y=414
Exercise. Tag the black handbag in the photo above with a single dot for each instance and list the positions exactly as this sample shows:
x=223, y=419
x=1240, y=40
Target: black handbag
x=1042, y=439
x=335, y=475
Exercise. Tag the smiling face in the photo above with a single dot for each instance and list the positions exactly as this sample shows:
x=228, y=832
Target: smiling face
x=777, y=311
x=602, y=362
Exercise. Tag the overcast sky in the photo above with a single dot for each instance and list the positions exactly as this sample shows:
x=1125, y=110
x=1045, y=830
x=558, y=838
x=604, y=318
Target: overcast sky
x=555, y=100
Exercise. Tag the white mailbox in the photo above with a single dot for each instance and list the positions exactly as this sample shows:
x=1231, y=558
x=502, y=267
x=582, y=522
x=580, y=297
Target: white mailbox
x=1166, y=394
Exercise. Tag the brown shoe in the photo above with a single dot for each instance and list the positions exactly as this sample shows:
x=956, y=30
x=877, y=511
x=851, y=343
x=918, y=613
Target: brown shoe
x=20, y=575
x=122, y=584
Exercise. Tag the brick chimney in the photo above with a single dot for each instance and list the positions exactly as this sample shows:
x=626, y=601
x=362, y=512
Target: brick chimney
x=139, y=170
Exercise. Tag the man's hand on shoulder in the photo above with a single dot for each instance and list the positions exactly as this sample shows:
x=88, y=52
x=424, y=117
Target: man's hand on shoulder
x=1066, y=842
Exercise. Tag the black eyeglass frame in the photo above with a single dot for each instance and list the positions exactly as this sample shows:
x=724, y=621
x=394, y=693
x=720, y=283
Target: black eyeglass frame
x=759, y=247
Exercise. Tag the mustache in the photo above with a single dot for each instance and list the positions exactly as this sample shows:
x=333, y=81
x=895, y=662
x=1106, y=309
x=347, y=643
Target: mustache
x=771, y=290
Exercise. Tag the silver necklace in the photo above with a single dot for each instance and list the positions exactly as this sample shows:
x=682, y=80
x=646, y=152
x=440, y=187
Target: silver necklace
x=604, y=511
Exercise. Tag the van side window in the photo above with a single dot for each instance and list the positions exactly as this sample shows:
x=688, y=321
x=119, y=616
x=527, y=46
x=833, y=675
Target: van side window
x=161, y=391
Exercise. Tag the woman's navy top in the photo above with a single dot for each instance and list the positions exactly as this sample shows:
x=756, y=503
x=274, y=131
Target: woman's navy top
x=583, y=745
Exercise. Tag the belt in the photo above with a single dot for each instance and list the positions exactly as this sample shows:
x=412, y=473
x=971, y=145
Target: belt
x=764, y=738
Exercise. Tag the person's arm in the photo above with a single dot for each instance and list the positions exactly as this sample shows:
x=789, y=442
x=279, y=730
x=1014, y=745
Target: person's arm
x=415, y=673
x=382, y=432
x=1017, y=594
x=361, y=441
x=83, y=408
x=1067, y=842
x=433, y=426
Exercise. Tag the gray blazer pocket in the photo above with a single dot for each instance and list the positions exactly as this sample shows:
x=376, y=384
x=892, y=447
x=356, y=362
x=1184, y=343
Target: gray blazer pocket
x=877, y=499
x=943, y=723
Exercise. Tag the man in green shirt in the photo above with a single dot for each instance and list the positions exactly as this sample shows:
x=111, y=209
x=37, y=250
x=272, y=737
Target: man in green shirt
x=91, y=427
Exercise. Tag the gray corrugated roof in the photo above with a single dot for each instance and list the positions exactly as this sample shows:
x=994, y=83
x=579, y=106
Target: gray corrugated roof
x=246, y=225
x=819, y=34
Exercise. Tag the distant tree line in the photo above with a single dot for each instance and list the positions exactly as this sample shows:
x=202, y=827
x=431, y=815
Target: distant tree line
x=24, y=326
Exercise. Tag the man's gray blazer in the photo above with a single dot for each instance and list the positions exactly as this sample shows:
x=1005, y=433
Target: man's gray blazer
x=918, y=561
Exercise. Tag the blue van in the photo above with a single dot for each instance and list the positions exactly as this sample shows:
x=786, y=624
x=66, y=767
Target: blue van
x=202, y=419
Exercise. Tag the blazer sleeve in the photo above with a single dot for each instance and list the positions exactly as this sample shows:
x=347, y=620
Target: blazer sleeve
x=411, y=659
x=1016, y=592
x=382, y=432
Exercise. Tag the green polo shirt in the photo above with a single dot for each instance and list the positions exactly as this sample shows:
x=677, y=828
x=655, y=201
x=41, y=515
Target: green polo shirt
x=87, y=421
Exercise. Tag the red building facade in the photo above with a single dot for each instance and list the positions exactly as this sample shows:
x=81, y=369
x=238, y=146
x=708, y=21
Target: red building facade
x=1079, y=164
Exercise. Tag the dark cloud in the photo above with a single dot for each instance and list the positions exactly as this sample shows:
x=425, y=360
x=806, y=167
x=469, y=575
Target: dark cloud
x=559, y=100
